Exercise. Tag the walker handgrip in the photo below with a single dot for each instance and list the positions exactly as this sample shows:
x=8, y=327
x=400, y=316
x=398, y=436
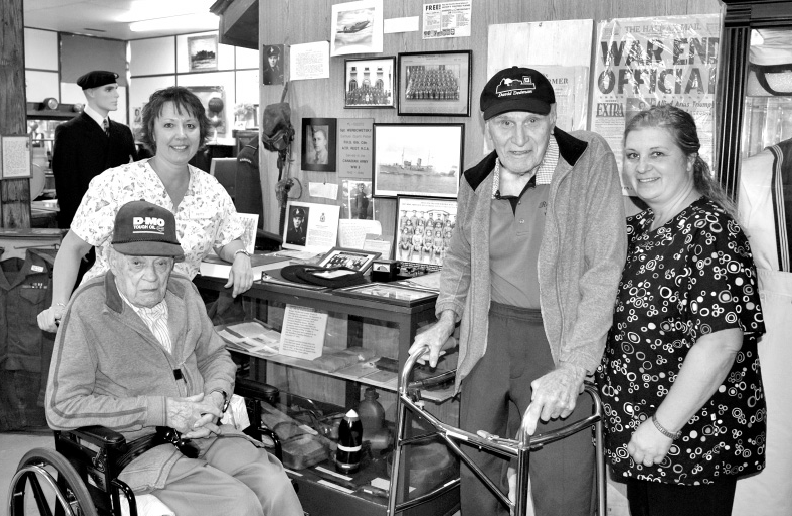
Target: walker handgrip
x=573, y=427
x=408, y=366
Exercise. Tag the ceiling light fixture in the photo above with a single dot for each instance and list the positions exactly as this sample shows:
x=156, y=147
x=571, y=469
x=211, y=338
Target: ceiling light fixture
x=199, y=21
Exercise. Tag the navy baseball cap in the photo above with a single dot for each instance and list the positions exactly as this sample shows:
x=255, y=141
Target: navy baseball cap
x=96, y=79
x=517, y=89
x=145, y=229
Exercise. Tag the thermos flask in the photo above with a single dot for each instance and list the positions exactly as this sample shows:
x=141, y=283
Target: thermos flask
x=350, y=443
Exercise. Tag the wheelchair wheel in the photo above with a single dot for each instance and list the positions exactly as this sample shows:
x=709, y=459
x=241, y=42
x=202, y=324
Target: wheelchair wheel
x=45, y=483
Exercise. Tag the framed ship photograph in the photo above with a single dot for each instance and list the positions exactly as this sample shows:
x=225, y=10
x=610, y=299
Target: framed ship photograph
x=435, y=83
x=417, y=159
x=424, y=226
x=369, y=83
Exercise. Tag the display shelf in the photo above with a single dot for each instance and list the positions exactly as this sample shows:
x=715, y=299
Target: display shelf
x=320, y=493
x=391, y=385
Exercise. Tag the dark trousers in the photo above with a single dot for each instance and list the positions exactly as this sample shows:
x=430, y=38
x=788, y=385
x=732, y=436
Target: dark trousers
x=655, y=499
x=495, y=395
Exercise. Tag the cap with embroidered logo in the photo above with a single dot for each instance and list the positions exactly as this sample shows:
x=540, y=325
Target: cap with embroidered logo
x=145, y=229
x=96, y=79
x=517, y=89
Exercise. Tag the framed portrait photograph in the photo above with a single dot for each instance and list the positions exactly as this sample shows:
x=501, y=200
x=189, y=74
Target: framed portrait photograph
x=369, y=83
x=272, y=56
x=203, y=53
x=319, y=144
x=434, y=83
x=387, y=293
x=355, y=259
x=417, y=159
x=424, y=226
x=356, y=200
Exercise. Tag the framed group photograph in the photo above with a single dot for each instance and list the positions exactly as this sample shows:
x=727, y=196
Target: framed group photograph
x=435, y=83
x=387, y=293
x=417, y=159
x=355, y=259
x=319, y=144
x=424, y=226
x=369, y=83
x=202, y=52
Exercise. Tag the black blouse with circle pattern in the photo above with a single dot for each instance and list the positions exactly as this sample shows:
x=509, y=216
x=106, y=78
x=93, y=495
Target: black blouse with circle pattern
x=692, y=276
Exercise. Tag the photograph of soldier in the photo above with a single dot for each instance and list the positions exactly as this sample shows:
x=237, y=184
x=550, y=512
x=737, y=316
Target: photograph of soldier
x=273, y=67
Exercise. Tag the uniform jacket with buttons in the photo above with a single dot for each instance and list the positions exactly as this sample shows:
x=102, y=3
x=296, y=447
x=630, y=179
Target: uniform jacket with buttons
x=25, y=290
x=83, y=151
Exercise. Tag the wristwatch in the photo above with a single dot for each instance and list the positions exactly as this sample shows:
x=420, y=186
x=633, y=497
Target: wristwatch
x=226, y=400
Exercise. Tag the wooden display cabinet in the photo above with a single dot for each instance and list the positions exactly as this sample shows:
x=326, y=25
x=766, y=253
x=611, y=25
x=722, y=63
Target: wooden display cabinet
x=386, y=328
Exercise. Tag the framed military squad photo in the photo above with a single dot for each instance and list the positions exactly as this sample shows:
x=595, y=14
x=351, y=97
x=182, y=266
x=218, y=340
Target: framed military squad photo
x=369, y=83
x=434, y=83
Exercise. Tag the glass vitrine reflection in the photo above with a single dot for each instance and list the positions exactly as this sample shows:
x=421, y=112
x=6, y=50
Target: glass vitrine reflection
x=767, y=116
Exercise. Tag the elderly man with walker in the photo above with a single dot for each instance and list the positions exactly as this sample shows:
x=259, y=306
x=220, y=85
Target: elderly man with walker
x=531, y=275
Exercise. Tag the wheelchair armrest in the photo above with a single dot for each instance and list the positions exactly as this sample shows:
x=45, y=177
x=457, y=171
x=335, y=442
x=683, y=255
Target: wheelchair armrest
x=251, y=389
x=96, y=434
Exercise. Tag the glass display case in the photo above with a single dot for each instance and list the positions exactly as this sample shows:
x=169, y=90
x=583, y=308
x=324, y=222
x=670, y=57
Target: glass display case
x=384, y=330
x=755, y=86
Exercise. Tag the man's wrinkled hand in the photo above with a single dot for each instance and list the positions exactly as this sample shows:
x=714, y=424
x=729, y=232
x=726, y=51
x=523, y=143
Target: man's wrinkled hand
x=434, y=338
x=187, y=414
x=553, y=395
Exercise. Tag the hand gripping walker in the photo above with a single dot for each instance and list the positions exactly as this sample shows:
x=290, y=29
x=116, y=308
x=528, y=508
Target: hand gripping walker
x=409, y=399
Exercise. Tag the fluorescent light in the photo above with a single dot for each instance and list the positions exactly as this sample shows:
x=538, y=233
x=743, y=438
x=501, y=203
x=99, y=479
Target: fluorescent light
x=201, y=21
x=142, y=9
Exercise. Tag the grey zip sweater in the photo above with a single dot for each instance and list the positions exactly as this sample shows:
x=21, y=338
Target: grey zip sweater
x=109, y=369
x=580, y=260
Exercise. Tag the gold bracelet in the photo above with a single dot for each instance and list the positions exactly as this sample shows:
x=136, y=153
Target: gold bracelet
x=671, y=435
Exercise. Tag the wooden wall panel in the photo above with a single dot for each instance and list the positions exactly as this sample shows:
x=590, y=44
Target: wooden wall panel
x=14, y=193
x=301, y=21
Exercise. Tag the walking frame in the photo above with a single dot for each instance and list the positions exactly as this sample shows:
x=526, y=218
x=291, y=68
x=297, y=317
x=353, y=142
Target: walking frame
x=409, y=401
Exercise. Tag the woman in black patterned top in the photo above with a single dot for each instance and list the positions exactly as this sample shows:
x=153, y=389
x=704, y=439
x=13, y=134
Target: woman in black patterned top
x=680, y=378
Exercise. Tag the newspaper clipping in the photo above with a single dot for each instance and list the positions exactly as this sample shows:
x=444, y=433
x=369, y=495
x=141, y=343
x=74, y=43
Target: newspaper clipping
x=661, y=60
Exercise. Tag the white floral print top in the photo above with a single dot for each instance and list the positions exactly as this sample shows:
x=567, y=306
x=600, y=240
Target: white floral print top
x=205, y=218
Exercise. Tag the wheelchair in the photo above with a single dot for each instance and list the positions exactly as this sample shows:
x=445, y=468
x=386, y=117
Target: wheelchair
x=80, y=476
x=409, y=403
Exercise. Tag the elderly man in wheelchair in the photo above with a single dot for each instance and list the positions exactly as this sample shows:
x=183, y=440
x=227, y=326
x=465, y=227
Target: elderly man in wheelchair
x=137, y=353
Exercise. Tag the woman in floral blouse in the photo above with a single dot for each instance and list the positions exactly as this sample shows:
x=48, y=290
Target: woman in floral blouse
x=175, y=127
x=680, y=378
